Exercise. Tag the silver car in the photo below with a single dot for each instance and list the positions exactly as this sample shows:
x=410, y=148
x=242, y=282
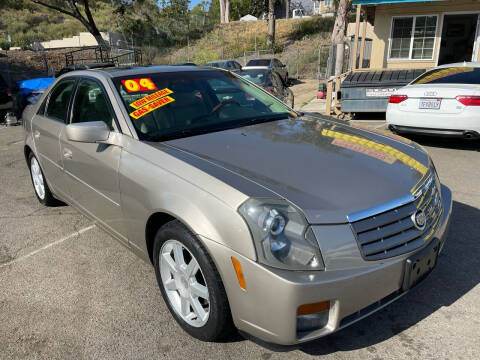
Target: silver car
x=286, y=226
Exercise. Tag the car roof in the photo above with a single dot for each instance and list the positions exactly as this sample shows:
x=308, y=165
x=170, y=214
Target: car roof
x=141, y=70
x=217, y=61
x=462, y=64
x=263, y=58
x=255, y=67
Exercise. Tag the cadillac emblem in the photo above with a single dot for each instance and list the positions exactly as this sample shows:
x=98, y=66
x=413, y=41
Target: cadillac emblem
x=419, y=220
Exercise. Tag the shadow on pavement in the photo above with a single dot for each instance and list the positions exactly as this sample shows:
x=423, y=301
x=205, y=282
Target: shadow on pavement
x=445, y=142
x=369, y=116
x=451, y=280
x=292, y=81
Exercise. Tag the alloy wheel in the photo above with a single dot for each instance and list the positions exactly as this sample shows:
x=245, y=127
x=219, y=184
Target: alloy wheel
x=37, y=176
x=184, y=283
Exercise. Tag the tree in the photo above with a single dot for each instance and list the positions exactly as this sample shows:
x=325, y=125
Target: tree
x=222, y=11
x=271, y=24
x=227, y=11
x=80, y=10
x=338, y=35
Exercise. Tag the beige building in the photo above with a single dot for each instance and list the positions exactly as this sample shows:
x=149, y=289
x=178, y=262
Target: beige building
x=409, y=34
x=324, y=7
x=80, y=40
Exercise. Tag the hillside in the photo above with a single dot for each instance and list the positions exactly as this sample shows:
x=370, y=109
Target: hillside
x=41, y=23
x=297, y=42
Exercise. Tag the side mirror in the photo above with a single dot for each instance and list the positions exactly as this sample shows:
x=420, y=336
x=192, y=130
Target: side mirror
x=88, y=132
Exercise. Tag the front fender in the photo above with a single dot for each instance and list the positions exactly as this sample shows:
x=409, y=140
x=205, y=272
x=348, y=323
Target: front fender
x=148, y=188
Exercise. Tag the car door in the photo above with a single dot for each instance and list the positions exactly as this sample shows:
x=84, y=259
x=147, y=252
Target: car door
x=47, y=127
x=277, y=86
x=92, y=169
x=281, y=69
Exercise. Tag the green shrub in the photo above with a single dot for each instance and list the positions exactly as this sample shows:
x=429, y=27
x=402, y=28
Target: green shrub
x=311, y=26
x=4, y=44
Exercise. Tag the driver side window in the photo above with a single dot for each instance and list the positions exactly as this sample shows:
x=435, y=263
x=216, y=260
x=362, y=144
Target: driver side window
x=59, y=100
x=91, y=104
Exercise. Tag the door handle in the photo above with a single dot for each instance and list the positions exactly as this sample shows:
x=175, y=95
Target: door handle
x=36, y=134
x=67, y=154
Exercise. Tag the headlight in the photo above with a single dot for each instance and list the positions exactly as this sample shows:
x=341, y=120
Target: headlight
x=281, y=235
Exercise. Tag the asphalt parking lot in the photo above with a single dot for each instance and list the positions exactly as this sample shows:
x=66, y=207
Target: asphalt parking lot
x=68, y=290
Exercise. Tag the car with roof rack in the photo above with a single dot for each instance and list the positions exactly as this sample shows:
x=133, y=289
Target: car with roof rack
x=287, y=226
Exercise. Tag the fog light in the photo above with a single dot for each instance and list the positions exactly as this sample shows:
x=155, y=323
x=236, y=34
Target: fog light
x=308, y=323
x=312, y=317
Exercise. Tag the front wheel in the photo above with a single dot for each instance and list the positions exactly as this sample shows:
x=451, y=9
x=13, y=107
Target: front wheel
x=190, y=284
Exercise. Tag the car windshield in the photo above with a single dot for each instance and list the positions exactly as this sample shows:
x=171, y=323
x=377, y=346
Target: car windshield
x=259, y=62
x=450, y=75
x=259, y=77
x=171, y=105
x=214, y=64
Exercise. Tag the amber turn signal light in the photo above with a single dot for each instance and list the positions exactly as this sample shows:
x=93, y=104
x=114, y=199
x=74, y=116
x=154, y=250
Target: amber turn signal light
x=239, y=272
x=309, y=309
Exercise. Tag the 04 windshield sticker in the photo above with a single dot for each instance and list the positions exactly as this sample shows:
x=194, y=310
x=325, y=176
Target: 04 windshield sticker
x=154, y=105
x=141, y=84
x=137, y=104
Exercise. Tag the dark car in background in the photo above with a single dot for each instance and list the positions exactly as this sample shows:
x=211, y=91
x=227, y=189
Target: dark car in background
x=230, y=65
x=6, y=101
x=270, y=81
x=270, y=63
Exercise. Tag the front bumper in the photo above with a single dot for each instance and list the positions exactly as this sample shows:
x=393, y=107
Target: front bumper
x=354, y=287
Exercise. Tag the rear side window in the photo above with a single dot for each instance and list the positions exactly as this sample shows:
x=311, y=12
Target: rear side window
x=91, y=104
x=451, y=75
x=259, y=62
x=41, y=109
x=59, y=99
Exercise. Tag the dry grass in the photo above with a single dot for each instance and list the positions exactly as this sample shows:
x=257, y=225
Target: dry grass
x=231, y=41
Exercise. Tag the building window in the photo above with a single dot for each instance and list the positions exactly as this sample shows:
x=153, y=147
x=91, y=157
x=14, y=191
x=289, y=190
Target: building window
x=327, y=3
x=413, y=38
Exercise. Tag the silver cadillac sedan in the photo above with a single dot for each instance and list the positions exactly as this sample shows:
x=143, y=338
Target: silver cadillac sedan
x=286, y=226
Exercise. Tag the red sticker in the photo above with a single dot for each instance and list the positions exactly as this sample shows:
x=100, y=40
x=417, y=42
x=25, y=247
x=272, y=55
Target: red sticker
x=142, y=84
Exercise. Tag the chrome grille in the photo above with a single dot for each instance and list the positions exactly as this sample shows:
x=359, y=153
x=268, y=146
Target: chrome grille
x=393, y=232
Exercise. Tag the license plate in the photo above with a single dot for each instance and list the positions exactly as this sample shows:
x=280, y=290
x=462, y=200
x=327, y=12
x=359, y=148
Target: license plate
x=430, y=104
x=419, y=265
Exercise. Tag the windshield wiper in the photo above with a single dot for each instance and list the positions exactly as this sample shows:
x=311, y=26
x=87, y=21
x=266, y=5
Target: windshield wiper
x=192, y=132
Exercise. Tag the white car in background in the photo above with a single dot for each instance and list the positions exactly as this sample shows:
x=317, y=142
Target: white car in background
x=444, y=101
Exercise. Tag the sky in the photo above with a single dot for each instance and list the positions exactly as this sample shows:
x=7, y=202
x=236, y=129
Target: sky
x=193, y=3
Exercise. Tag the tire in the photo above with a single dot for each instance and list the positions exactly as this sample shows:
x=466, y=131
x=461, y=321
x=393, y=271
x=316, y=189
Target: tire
x=177, y=290
x=45, y=197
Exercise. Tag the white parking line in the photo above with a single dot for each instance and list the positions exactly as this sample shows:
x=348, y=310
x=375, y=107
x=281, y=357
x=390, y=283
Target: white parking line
x=75, y=234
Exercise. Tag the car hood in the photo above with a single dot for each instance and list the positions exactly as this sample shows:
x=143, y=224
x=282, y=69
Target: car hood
x=327, y=169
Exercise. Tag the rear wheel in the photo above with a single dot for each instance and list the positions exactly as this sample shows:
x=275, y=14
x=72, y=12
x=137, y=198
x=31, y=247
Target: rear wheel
x=190, y=284
x=42, y=191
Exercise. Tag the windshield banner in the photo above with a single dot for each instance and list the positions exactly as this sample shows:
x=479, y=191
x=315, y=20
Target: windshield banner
x=137, y=104
x=151, y=107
